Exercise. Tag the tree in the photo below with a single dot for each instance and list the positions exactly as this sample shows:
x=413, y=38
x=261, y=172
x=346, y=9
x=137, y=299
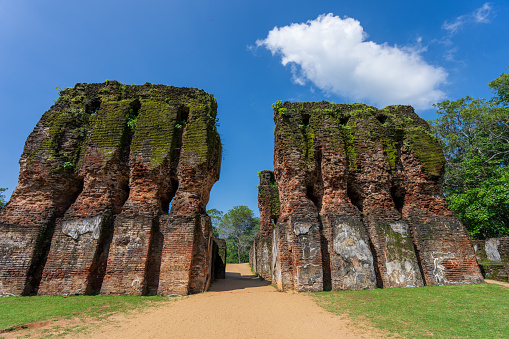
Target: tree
x=474, y=134
x=215, y=217
x=2, y=197
x=239, y=227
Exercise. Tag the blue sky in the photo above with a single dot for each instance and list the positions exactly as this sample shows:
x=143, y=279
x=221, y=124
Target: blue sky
x=248, y=54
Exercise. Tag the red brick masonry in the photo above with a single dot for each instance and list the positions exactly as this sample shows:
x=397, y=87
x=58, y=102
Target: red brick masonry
x=112, y=193
x=361, y=203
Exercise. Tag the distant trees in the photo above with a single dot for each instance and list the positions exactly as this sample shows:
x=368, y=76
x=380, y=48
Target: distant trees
x=2, y=197
x=474, y=134
x=238, y=227
x=216, y=217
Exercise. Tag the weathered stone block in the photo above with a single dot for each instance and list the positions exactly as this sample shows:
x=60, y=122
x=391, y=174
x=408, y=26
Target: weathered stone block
x=21, y=253
x=76, y=259
x=353, y=261
x=493, y=257
x=128, y=271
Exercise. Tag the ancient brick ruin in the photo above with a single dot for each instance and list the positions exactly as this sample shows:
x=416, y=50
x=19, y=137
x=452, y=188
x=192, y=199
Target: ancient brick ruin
x=493, y=257
x=112, y=192
x=260, y=254
x=115, y=179
x=361, y=202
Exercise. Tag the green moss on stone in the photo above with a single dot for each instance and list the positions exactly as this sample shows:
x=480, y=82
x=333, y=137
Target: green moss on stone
x=270, y=192
x=391, y=127
x=110, y=128
x=102, y=116
x=155, y=131
x=427, y=149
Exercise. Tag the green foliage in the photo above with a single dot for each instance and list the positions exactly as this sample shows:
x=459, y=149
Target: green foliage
x=474, y=134
x=238, y=227
x=501, y=88
x=68, y=166
x=484, y=209
x=180, y=124
x=468, y=311
x=16, y=311
x=278, y=107
x=215, y=217
x=132, y=119
x=2, y=197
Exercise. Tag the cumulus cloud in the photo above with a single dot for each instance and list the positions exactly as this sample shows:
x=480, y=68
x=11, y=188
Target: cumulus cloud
x=480, y=15
x=335, y=56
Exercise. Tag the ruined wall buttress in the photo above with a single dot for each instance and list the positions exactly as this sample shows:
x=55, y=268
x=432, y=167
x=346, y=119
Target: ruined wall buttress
x=361, y=201
x=260, y=256
x=98, y=176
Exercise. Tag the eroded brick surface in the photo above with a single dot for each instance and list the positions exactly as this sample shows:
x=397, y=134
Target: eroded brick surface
x=99, y=173
x=260, y=255
x=361, y=202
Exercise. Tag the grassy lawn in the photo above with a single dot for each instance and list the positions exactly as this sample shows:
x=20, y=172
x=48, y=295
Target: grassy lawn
x=468, y=311
x=15, y=311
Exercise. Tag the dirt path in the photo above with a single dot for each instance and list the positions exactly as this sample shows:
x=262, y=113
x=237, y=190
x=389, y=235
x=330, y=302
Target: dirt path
x=496, y=282
x=240, y=306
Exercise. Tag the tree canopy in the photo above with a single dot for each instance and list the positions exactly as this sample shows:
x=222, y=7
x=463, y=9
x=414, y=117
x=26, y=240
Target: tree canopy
x=215, y=217
x=474, y=134
x=2, y=197
x=238, y=226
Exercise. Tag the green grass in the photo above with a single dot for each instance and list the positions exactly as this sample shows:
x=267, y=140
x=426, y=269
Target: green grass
x=16, y=311
x=467, y=311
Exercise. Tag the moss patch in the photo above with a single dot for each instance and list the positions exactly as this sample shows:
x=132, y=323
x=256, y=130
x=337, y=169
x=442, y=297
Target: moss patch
x=357, y=124
x=155, y=130
x=111, y=116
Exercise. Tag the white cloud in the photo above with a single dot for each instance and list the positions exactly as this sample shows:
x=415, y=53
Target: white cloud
x=480, y=15
x=334, y=55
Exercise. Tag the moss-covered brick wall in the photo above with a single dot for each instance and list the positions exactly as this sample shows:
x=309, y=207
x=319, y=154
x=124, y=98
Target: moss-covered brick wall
x=260, y=255
x=109, y=174
x=360, y=190
x=394, y=126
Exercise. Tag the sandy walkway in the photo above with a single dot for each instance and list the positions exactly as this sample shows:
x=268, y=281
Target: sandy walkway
x=241, y=306
x=496, y=282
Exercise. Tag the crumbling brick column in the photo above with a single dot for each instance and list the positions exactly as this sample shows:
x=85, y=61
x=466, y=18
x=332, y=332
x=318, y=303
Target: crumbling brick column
x=100, y=171
x=268, y=204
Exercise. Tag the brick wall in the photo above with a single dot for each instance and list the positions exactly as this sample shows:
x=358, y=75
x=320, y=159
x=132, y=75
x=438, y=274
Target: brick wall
x=260, y=255
x=99, y=173
x=362, y=203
